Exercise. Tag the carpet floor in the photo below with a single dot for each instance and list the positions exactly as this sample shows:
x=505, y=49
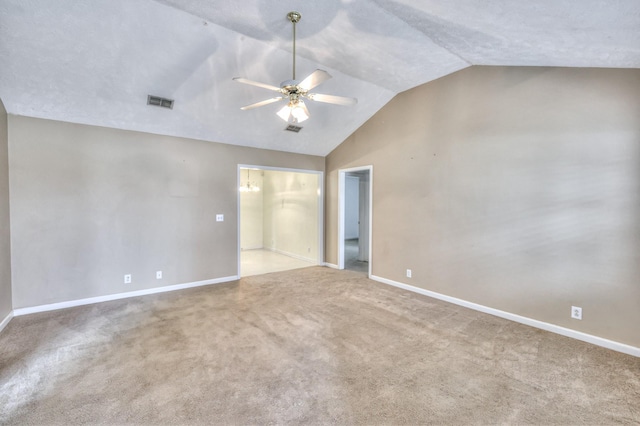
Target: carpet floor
x=309, y=346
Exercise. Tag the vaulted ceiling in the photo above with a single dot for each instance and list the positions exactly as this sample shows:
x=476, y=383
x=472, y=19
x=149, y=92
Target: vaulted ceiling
x=95, y=61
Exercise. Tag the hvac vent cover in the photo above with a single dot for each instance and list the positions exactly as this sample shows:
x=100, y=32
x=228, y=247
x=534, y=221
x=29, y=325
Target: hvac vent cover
x=161, y=102
x=293, y=128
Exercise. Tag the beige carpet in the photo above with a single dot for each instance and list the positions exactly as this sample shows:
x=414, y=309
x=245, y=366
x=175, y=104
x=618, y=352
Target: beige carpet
x=310, y=346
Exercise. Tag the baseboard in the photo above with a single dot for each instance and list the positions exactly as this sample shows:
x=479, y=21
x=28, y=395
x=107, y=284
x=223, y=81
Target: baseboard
x=599, y=341
x=107, y=298
x=295, y=256
x=6, y=320
x=331, y=265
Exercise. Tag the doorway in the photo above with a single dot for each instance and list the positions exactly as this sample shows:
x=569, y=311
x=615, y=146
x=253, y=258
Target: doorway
x=355, y=211
x=280, y=223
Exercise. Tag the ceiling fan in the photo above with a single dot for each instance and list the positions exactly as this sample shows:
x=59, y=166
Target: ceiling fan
x=295, y=91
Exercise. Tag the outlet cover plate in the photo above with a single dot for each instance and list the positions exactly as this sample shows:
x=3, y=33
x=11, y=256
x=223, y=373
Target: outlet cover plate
x=576, y=312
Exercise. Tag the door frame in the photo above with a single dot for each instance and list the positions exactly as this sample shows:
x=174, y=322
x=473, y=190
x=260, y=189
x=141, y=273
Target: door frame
x=342, y=177
x=319, y=173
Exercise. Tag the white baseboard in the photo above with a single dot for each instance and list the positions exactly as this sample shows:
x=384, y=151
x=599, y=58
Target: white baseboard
x=295, y=256
x=107, y=298
x=599, y=341
x=6, y=320
x=331, y=265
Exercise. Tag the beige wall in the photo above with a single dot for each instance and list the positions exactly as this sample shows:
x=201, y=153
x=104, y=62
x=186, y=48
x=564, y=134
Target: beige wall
x=91, y=204
x=291, y=213
x=5, y=236
x=513, y=188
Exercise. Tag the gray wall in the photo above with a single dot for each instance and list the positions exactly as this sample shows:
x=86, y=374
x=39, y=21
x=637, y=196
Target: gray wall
x=351, y=207
x=91, y=204
x=513, y=188
x=5, y=236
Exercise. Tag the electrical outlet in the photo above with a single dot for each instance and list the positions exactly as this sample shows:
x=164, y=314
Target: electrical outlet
x=219, y=218
x=158, y=275
x=127, y=279
x=408, y=273
x=576, y=312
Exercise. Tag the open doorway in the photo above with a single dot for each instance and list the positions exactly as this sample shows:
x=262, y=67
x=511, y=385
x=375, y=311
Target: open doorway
x=354, y=249
x=280, y=224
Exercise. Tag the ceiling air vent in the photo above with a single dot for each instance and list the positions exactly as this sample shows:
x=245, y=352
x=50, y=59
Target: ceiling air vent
x=161, y=102
x=293, y=128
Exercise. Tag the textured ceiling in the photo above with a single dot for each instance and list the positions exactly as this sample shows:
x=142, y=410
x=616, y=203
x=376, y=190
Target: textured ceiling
x=95, y=61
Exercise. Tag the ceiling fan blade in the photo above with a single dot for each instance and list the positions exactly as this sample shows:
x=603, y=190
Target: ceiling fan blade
x=255, y=83
x=314, y=79
x=330, y=99
x=262, y=103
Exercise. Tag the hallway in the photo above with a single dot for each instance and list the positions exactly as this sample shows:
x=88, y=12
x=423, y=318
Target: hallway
x=351, y=261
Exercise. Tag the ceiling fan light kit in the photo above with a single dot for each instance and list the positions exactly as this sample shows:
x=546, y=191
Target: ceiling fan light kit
x=294, y=112
x=294, y=91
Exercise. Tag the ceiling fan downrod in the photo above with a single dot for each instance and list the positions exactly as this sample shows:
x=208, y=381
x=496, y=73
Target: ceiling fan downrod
x=294, y=17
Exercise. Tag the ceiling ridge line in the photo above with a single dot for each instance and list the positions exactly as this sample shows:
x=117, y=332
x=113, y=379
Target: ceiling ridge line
x=391, y=13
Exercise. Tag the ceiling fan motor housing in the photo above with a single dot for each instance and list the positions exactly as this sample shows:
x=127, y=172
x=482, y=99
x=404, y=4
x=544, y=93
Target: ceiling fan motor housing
x=291, y=86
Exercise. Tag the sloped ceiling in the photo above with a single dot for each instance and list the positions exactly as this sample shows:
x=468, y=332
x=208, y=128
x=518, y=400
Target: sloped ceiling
x=95, y=61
